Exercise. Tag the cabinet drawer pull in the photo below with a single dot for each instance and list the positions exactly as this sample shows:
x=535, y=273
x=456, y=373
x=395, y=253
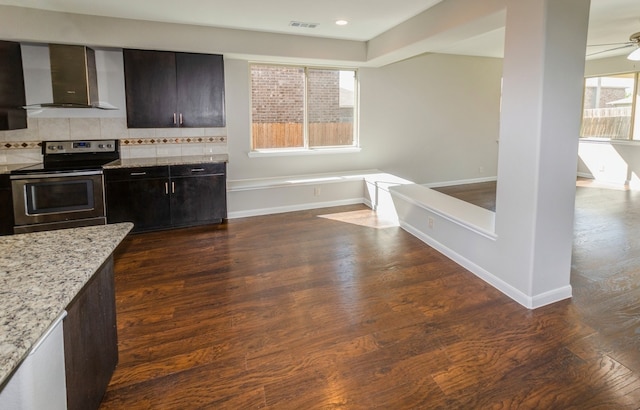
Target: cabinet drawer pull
x=166, y=188
x=173, y=187
x=197, y=169
x=175, y=121
x=181, y=119
x=137, y=174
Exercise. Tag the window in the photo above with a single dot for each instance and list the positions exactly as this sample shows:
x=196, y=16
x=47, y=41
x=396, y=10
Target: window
x=609, y=107
x=296, y=107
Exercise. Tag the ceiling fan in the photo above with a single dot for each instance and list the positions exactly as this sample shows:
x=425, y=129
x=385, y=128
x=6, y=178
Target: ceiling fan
x=634, y=41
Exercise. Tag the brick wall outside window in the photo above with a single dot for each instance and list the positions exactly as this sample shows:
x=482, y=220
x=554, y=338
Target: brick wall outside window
x=277, y=94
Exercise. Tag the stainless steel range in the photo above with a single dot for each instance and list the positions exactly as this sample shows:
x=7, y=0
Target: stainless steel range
x=66, y=190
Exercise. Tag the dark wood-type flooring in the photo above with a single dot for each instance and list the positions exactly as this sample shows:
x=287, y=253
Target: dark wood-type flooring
x=334, y=309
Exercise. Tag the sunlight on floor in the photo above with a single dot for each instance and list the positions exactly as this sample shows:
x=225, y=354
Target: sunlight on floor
x=592, y=183
x=365, y=217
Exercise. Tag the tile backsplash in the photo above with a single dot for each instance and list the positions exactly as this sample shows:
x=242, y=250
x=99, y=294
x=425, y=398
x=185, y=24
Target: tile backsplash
x=23, y=146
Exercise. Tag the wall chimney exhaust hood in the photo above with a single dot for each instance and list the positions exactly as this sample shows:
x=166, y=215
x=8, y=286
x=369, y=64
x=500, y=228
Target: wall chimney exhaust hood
x=73, y=78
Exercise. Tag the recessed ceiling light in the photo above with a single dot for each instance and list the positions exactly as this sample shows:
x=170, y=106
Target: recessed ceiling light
x=342, y=22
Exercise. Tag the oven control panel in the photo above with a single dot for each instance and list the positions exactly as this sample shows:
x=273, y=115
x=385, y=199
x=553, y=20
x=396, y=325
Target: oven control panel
x=79, y=146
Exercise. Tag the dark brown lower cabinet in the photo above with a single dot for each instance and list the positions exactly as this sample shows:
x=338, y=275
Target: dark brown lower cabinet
x=138, y=195
x=91, y=340
x=163, y=197
x=198, y=194
x=6, y=206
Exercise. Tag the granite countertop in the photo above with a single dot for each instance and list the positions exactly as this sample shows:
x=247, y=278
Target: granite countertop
x=155, y=161
x=40, y=274
x=7, y=168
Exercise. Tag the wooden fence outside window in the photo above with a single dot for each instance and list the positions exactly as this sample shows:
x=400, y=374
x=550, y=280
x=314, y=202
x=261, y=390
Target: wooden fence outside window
x=290, y=135
x=614, y=123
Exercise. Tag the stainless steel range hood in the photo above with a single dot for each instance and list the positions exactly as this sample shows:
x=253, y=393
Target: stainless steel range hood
x=73, y=78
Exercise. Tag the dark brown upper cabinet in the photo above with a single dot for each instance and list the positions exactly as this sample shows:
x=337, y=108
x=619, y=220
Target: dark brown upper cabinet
x=169, y=89
x=12, y=98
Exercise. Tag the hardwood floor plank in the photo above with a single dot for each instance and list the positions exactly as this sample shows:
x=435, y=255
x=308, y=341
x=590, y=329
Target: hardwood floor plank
x=334, y=309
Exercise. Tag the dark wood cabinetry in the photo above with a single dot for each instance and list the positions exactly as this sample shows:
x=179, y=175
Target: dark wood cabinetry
x=6, y=206
x=138, y=195
x=91, y=340
x=169, y=89
x=198, y=194
x=12, y=96
x=162, y=197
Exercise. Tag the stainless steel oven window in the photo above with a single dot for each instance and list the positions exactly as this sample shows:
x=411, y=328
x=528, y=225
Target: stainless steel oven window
x=52, y=198
x=57, y=197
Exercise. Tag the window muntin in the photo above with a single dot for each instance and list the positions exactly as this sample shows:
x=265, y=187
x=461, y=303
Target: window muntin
x=296, y=107
x=609, y=106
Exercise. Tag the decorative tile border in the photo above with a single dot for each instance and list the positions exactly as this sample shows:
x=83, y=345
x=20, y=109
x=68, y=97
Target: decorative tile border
x=129, y=142
x=180, y=140
x=20, y=144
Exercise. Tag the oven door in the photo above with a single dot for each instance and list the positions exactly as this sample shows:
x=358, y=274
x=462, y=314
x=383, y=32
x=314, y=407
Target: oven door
x=59, y=200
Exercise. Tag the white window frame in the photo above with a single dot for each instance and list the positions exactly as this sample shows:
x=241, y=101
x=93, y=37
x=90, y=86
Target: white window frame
x=634, y=127
x=306, y=149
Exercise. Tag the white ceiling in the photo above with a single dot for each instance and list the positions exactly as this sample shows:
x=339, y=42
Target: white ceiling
x=367, y=18
x=611, y=21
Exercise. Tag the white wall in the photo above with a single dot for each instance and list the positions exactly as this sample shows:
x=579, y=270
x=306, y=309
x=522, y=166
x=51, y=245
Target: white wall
x=428, y=119
x=432, y=118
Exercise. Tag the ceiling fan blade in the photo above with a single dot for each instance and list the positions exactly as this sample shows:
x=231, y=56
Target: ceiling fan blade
x=635, y=55
x=611, y=49
x=610, y=44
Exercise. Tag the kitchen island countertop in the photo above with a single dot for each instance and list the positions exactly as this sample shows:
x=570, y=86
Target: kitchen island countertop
x=7, y=168
x=40, y=274
x=161, y=161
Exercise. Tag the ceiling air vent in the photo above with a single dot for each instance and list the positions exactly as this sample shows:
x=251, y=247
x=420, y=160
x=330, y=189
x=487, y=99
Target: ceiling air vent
x=302, y=24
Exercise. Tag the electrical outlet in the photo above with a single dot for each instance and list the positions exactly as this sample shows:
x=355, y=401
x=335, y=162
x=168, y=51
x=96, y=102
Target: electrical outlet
x=3, y=159
x=430, y=222
x=480, y=169
x=316, y=191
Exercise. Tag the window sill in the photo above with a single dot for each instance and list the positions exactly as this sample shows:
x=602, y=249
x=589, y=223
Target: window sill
x=301, y=152
x=593, y=140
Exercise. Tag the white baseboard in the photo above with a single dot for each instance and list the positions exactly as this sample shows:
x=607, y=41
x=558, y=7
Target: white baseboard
x=530, y=302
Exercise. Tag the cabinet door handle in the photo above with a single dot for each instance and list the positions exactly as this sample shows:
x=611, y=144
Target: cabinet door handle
x=166, y=188
x=197, y=169
x=137, y=174
x=175, y=121
x=173, y=187
x=181, y=119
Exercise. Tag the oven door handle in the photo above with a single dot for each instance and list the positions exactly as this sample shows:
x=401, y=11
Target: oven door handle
x=57, y=175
